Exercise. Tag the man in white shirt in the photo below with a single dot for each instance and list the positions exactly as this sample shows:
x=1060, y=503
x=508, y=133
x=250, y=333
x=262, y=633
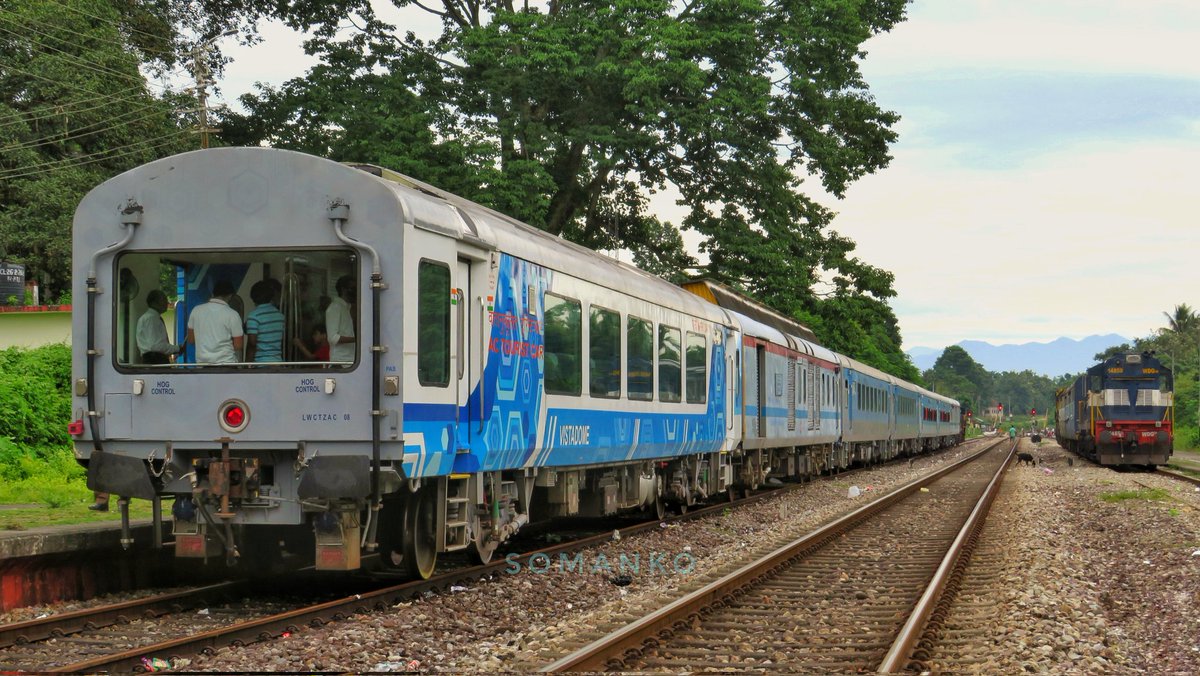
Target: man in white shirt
x=216, y=329
x=339, y=322
x=152, y=339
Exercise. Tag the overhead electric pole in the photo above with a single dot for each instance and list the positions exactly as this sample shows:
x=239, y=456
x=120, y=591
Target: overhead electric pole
x=201, y=73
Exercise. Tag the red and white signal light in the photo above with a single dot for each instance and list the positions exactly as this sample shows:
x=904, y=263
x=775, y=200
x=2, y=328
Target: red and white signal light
x=233, y=415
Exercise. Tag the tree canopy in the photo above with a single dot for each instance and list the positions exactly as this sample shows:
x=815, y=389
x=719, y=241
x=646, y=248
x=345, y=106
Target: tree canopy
x=569, y=115
x=74, y=110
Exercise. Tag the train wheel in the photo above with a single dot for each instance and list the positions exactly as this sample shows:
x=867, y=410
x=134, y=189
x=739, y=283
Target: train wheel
x=660, y=508
x=482, y=554
x=484, y=546
x=418, y=548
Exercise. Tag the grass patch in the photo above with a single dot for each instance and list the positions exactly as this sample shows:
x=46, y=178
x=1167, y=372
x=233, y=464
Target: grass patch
x=21, y=518
x=44, y=486
x=1140, y=494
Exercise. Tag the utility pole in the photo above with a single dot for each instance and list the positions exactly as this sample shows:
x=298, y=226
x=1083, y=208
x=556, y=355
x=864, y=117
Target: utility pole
x=201, y=73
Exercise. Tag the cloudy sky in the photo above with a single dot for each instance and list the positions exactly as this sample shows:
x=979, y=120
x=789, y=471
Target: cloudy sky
x=1042, y=185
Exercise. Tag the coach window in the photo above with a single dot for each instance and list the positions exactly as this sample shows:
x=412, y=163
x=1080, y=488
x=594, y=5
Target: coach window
x=697, y=368
x=669, y=376
x=279, y=297
x=433, y=324
x=639, y=359
x=604, y=353
x=564, y=345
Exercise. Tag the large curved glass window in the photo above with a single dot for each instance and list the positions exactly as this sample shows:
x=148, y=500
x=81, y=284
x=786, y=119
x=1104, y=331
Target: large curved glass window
x=244, y=309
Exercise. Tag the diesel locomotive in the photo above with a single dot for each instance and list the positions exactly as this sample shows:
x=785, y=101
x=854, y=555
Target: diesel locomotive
x=488, y=374
x=1119, y=412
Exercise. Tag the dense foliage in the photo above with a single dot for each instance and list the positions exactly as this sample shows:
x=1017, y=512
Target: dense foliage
x=36, y=461
x=35, y=399
x=76, y=109
x=568, y=115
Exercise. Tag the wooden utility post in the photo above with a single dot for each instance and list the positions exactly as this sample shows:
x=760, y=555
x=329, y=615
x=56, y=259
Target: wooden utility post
x=201, y=73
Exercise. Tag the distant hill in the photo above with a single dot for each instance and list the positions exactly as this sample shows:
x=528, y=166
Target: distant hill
x=1063, y=355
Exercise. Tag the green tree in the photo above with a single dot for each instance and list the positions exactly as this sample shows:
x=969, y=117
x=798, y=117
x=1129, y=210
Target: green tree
x=74, y=110
x=956, y=374
x=567, y=115
x=1182, y=320
x=1123, y=348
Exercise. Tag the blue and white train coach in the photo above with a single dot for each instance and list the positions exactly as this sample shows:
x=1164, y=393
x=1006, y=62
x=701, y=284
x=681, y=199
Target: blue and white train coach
x=497, y=374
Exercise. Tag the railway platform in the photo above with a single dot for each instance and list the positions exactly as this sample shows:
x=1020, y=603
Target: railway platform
x=61, y=563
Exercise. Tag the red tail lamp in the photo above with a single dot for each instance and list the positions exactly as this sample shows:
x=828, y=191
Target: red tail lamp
x=234, y=415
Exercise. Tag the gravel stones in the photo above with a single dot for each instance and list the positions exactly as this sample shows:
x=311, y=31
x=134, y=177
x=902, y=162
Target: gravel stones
x=1090, y=586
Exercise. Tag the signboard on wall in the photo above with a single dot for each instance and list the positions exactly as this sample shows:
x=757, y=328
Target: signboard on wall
x=12, y=283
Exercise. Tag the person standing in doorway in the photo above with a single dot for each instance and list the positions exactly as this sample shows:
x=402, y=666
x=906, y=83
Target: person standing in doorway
x=215, y=328
x=339, y=321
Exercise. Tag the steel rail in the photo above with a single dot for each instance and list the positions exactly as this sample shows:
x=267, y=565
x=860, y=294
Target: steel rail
x=266, y=628
x=595, y=655
x=1177, y=475
x=89, y=619
x=898, y=655
x=270, y=627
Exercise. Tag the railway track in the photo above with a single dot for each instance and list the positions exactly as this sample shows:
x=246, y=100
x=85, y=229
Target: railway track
x=834, y=600
x=117, y=637
x=1179, y=476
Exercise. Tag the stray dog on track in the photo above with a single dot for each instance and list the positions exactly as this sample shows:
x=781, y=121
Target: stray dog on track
x=1025, y=457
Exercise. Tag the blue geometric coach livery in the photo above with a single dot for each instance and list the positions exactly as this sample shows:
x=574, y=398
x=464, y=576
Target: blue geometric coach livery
x=448, y=374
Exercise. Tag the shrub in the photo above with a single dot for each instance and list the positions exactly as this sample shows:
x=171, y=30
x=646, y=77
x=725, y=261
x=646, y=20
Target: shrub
x=35, y=398
x=48, y=475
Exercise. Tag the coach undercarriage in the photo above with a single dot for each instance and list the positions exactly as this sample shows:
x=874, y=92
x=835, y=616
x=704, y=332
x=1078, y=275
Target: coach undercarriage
x=240, y=502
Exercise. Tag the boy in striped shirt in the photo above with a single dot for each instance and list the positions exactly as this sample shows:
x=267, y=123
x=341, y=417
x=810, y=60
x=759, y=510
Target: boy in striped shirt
x=264, y=325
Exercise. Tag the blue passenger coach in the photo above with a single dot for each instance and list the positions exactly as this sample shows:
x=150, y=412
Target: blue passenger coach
x=494, y=374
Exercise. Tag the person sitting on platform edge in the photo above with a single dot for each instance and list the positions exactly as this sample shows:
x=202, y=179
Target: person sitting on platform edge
x=152, y=339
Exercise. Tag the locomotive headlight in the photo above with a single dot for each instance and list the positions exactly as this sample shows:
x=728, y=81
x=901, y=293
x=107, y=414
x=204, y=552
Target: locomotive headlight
x=1108, y=423
x=1158, y=423
x=233, y=415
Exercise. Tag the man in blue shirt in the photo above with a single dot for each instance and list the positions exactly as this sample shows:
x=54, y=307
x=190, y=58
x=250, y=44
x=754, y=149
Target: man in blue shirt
x=264, y=325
